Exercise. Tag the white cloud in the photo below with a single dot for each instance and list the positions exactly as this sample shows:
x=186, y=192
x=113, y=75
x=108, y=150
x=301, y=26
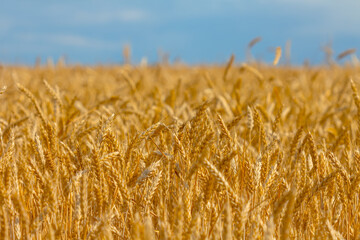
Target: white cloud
x=72, y=40
x=69, y=40
x=109, y=16
x=318, y=17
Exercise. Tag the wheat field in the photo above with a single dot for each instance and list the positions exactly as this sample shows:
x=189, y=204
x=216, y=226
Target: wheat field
x=180, y=152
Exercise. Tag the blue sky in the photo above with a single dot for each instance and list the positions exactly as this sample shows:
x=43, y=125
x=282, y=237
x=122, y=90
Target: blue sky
x=202, y=31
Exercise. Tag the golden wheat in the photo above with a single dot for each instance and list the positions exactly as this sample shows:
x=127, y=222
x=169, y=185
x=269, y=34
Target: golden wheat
x=177, y=152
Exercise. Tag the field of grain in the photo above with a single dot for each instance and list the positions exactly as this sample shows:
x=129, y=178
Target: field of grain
x=179, y=152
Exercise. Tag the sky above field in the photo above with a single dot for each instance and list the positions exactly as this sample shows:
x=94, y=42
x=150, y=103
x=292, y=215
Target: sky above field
x=202, y=31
